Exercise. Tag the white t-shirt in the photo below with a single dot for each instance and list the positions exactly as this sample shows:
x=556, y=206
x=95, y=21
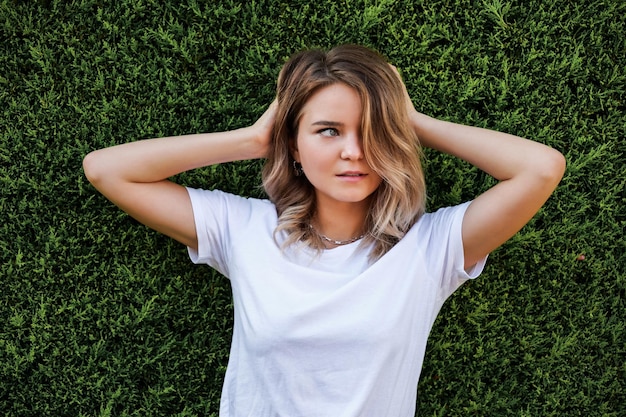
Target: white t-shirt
x=326, y=335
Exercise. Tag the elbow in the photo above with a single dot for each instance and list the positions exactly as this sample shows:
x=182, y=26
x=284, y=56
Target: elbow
x=557, y=165
x=551, y=168
x=92, y=167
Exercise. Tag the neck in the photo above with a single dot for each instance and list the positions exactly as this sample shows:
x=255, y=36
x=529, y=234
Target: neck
x=342, y=222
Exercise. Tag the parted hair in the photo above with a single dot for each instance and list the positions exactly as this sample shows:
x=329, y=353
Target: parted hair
x=390, y=146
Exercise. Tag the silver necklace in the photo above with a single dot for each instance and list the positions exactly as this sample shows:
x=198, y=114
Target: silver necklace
x=336, y=242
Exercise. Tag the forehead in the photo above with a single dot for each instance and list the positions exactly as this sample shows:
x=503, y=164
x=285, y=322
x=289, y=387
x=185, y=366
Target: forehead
x=335, y=102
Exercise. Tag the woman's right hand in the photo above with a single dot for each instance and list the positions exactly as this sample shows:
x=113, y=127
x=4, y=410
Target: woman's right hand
x=263, y=129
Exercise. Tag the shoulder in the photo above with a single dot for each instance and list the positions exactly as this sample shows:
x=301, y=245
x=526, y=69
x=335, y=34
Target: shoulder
x=437, y=235
x=434, y=246
x=444, y=218
x=224, y=220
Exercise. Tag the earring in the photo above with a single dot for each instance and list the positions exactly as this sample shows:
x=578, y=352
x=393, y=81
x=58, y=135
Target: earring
x=297, y=168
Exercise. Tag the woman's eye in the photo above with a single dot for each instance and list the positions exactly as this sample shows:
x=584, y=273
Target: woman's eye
x=329, y=131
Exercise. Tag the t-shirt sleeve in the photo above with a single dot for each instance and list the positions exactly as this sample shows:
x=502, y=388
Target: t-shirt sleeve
x=444, y=252
x=215, y=215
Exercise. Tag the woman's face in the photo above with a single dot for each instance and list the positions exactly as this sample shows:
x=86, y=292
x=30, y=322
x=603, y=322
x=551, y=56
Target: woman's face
x=330, y=148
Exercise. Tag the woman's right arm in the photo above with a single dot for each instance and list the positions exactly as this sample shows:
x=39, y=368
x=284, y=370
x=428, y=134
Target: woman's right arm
x=134, y=176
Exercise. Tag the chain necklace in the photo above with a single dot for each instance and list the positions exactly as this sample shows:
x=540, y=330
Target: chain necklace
x=336, y=242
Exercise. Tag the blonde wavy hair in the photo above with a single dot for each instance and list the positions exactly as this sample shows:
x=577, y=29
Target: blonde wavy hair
x=390, y=146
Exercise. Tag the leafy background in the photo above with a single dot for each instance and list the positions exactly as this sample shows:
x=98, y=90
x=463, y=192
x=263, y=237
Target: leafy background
x=100, y=316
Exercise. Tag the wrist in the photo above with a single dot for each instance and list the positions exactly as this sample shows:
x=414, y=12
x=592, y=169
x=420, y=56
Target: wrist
x=255, y=143
x=421, y=125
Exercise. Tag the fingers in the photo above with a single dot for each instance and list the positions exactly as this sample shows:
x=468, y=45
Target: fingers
x=263, y=127
x=409, y=102
x=267, y=119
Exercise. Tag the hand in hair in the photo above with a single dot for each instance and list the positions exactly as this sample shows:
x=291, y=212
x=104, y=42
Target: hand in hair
x=409, y=103
x=263, y=128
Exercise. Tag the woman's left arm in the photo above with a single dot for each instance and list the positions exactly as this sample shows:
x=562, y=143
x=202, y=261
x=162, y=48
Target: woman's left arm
x=527, y=171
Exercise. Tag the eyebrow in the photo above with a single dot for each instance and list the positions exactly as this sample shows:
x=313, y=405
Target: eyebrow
x=327, y=123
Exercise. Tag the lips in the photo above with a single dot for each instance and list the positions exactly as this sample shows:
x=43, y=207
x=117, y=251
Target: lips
x=355, y=174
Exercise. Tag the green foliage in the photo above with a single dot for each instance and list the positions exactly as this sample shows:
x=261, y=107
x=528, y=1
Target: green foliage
x=101, y=317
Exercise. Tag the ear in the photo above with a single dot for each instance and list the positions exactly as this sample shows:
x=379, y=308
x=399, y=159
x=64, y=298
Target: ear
x=293, y=149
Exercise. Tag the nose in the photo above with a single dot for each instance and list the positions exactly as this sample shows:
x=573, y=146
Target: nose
x=352, y=147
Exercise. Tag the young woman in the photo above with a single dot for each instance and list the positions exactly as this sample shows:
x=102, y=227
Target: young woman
x=337, y=278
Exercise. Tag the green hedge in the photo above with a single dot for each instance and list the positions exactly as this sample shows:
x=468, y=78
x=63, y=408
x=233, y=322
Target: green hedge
x=100, y=316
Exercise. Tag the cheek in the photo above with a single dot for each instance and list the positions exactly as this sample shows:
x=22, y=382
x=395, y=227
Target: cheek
x=306, y=151
x=316, y=158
